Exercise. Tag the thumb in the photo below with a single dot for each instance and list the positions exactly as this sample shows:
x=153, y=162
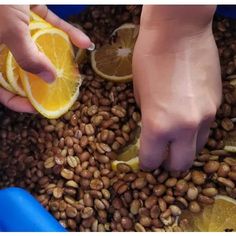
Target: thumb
x=28, y=56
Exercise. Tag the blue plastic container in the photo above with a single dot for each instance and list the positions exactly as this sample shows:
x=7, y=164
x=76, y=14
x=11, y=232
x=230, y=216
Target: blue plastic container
x=64, y=11
x=226, y=11
x=21, y=212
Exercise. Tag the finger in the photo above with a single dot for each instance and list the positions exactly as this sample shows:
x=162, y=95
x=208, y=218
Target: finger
x=203, y=135
x=78, y=38
x=15, y=103
x=152, y=149
x=182, y=153
x=27, y=54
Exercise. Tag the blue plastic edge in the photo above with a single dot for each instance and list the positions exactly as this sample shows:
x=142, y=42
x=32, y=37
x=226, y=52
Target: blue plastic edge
x=226, y=11
x=21, y=212
x=64, y=11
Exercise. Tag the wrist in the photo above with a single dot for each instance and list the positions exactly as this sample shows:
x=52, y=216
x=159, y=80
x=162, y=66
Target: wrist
x=172, y=27
x=184, y=17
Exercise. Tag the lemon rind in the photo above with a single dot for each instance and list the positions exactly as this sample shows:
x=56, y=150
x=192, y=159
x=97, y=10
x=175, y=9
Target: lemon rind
x=10, y=76
x=5, y=84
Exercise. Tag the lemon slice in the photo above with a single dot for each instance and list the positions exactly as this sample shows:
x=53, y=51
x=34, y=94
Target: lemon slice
x=53, y=100
x=129, y=155
x=131, y=151
x=219, y=217
x=114, y=61
x=3, y=77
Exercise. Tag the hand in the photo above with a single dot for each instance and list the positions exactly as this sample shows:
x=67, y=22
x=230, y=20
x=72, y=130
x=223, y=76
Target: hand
x=15, y=34
x=178, y=87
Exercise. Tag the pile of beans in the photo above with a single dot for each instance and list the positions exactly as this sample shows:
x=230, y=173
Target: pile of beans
x=66, y=163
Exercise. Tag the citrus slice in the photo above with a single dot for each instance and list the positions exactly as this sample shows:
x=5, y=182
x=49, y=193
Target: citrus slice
x=131, y=151
x=35, y=17
x=12, y=68
x=114, y=61
x=13, y=75
x=133, y=163
x=3, y=77
x=129, y=157
x=219, y=217
x=34, y=26
x=53, y=100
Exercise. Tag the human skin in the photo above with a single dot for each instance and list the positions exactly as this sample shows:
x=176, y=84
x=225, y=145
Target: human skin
x=15, y=34
x=177, y=84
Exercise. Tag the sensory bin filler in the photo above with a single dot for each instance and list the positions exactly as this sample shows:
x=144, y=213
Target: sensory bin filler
x=19, y=210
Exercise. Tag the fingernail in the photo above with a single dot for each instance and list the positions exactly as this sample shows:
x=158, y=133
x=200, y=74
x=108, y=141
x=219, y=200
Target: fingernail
x=46, y=76
x=91, y=47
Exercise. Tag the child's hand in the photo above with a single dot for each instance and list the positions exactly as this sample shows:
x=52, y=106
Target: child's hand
x=15, y=34
x=177, y=84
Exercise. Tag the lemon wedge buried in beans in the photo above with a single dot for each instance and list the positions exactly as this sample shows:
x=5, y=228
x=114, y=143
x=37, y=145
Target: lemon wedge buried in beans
x=131, y=151
x=219, y=217
x=12, y=68
x=53, y=100
x=113, y=61
x=129, y=156
x=3, y=76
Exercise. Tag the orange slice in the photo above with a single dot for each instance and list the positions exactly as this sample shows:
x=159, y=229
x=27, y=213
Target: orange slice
x=12, y=68
x=35, y=17
x=114, y=61
x=219, y=217
x=53, y=100
x=3, y=77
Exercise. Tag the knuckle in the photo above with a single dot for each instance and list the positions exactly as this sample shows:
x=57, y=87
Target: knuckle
x=155, y=127
x=210, y=113
x=209, y=117
x=191, y=123
x=17, y=31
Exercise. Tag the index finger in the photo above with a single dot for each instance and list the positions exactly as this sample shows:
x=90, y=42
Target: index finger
x=77, y=37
